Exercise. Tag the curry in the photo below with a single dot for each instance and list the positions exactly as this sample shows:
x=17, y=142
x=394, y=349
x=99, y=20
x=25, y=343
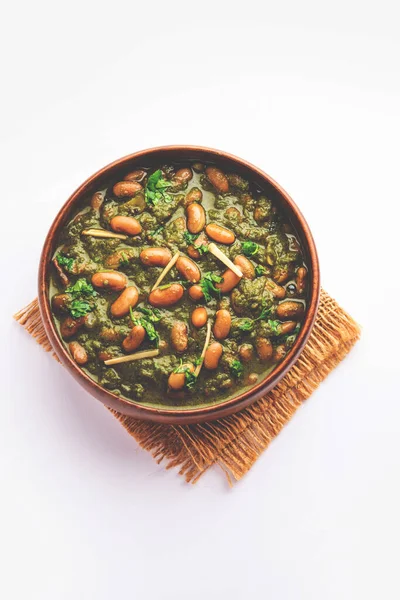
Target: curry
x=181, y=285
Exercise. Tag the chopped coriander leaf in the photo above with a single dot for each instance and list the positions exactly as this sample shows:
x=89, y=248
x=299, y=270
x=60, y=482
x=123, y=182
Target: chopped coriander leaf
x=157, y=231
x=236, y=368
x=190, y=377
x=81, y=288
x=125, y=261
x=274, y=326
x=190, y=237
x=203, y=249
x=155, y=189
x=147, y=325
x=65, y=261
x=246, y=325
x=79, y=308
x=260, y=270
x=250, y=248
x=207, y=285
x=152, y=314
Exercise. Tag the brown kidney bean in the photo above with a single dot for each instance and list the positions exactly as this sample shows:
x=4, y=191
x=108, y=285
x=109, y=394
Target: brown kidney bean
x=125, y=189
x=278, y=291
x=192, y=249
x=155, y=257
x=196, y=217
x=59, y=303
x=279, y=353
x=61, y=275
x=78, y=353
x=246, y=352
x=188, y=269
x=114, y=260
x=137, y=175
x=252, y=378
x=264, y=348
x=199, y=317
x=109, y=280
x=230, y=280
x=97, y=200
x=179, y=336
x=289, y=310
x=128, y=299
x=104, y=355
x=245, y=266
x=167, y=296
x=134, y=338
x=287, y=327
x=196, y=293
x=127, y=225
x=218, y=179
x=233, y=214
x=301, y=277
x=198, y=167
x=193, y=195
x=184, y=174
x=110, y=334
x=222, y=325
x=220, y=234
x=70, y=326
x=212, y=356
x=176, y=381
x=280, y=274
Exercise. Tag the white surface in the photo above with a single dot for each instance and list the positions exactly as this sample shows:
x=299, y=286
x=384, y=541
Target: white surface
x=310, y=93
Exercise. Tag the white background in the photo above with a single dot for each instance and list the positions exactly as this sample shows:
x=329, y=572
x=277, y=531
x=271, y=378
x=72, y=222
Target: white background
x=308, y=91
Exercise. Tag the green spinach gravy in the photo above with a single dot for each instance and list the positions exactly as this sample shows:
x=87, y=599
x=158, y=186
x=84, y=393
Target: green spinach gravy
x=181, y=285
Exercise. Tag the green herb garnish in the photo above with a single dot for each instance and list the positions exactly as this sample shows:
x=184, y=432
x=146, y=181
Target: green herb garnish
x=207, y=285
x=81, y=288
x=155, y=189
x=65, y=261
x=236, y=368
x=250, y=248
x=190, y=238
x=152, y=314
x=260, y=270
x=190, y=377
x=156, y=231
x=79, y=308
x=248, y=324
x=274, y=326
x=147, y=325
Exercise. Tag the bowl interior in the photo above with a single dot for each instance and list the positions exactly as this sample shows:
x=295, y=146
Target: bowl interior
x=155, y=157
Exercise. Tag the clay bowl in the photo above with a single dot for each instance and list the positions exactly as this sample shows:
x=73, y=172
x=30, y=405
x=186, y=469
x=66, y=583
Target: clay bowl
x=153, y=157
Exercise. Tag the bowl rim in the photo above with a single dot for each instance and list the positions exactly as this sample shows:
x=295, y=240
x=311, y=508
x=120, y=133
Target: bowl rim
x=175, y=415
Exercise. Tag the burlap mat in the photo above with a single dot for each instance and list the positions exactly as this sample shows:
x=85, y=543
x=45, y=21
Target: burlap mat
x=235, y=443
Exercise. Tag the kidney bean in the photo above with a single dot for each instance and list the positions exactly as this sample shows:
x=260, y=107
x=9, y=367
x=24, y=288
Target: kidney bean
x=127, y=225
x=245, y=352
x=230, y=280
x=176, y=381
x=264, y=348
x=109, y=280
x=193, y=195
x=188, y=269
x=252, y=378
x=184, y=174
x=179, y=336
x=110, y=334
x=280, y=274
x=167, y=296
x=97, y=200
x=70, y=326
x=128, y=299
x=199, y=317
x=114, y=260
x=289, y=310
x=301, y=277
x=220, y=234
x=198, y=167
x=78, y=353
x=278, y=291
x=218, y=179
x=155, y=257
x=233, y=214
x=59, y=303
x=196, y=293
x=137, y=175
x=287, y=327
x=245, y=266
x=104, y=355
x=126, y=189
x=134, y=338
x=212, y=356
x=192, y=249
x=222, y=325
x=196, y=217
x=61, y=275
x=279, y=353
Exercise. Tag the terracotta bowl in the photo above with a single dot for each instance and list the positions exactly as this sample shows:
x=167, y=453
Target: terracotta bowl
x=153, y=157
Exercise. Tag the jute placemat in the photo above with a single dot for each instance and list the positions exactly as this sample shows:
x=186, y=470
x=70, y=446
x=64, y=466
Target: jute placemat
x=235, y=443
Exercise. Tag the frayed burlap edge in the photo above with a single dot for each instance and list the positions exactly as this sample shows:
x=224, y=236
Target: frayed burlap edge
x=235, y=442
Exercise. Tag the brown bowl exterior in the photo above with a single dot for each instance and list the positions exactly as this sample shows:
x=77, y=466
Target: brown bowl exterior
x=153, y=157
